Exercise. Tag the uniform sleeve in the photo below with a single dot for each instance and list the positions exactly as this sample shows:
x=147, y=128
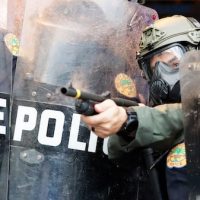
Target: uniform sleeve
x=160, y=127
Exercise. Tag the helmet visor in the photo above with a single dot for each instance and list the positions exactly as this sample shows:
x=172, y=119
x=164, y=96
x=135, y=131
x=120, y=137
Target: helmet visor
x=170, y=55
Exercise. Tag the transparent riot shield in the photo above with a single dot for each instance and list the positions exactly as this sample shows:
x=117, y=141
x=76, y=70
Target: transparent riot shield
x=9, y=45
x=3, y=14
x=11, y=15
x=5, y=91
x=15, y=16
x=86, y=44
x=190, y=93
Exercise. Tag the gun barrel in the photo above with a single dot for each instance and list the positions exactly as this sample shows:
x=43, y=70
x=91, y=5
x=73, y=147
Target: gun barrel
x=78, y=94
x=124, y=102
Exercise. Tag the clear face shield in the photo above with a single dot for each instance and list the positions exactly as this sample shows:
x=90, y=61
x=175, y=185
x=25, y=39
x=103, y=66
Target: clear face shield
x=161, y=69
x=169, y=55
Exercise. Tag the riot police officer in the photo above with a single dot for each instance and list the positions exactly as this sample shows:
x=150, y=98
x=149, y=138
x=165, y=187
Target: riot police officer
x=159, y=125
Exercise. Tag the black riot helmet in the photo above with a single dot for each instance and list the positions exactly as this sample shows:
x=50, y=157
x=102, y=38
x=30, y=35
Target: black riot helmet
x=162, y=45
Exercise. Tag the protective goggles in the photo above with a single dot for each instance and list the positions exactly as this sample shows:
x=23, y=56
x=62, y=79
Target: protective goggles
x=169, y=55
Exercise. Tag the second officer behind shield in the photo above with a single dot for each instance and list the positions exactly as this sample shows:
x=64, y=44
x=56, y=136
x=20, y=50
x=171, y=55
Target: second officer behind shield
x=161, y=125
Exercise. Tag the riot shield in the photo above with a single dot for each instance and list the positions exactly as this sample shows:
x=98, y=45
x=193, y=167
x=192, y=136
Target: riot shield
x=90, y=45
x=3, y=14
x=15, y=16
x=9, y=46
x=190, y=94
x=11, y=15
x=5, y=91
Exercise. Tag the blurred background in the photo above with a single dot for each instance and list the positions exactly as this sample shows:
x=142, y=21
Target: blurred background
x=188, y=8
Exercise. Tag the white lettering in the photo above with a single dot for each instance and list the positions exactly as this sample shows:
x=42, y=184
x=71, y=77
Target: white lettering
x=3, y=103
x=24, y=125
x=92, y=142
x=73, y=143
x=26, y=121
x=105, y=146
x=42, y=135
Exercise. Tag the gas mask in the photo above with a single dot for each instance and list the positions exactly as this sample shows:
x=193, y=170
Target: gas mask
x=164, y=85
x=161, y=69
